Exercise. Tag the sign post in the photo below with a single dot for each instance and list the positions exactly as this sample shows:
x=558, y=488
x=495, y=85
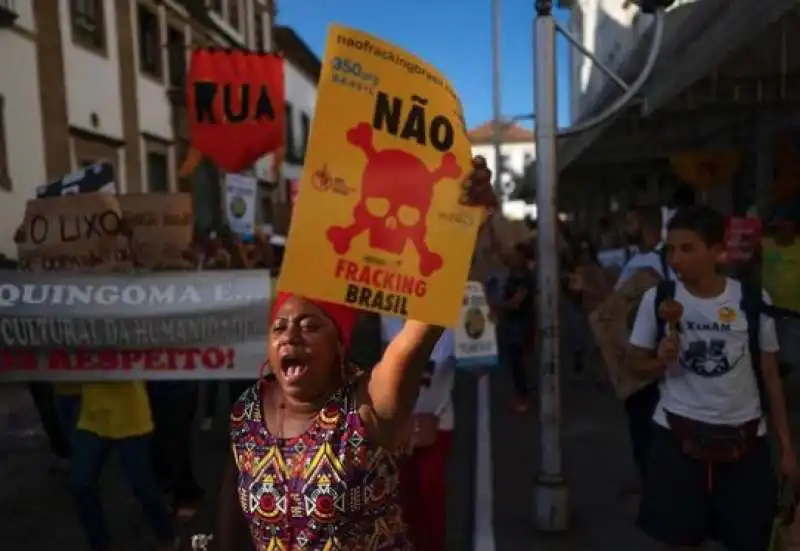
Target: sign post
x=551, y=490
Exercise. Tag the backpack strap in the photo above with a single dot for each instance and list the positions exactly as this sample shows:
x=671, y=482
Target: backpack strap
x=778, y=312
x=753, y=306
x=664, y=291
x=662, y=256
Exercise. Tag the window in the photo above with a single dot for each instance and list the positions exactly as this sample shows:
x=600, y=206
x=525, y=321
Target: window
x=157, y=171
x=88, y=24
x=234, y=14
x=504, y=162
x=176, y=50
x=266, y=209
x=291, y=146
x=527, y=161
x=5, y=177
x=149, y=42
x=259, y=32
x=8, y=13
x=306, y=121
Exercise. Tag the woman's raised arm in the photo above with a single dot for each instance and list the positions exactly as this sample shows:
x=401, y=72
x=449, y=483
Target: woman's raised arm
x=393, y=386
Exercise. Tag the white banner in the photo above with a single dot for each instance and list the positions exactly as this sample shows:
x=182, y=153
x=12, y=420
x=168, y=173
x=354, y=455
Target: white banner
x=117, y=327
x=240, y=203
x=476, y=333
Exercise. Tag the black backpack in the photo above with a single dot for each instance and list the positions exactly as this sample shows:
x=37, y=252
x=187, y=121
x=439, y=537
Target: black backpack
x=753, y=306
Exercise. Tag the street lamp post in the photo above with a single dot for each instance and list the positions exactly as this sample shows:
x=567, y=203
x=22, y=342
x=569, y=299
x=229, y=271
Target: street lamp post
x=497, y=126
x=551, y=490
x=551, y=493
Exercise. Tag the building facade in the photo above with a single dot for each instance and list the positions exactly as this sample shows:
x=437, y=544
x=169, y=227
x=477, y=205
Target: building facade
x=22, y=159
x=612, y=30
x=104, y=80
x=719, y=111
x=302, y=69
x=517, y=155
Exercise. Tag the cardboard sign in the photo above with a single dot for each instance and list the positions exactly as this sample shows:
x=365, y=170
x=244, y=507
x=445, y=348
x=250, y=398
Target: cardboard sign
x=611, y=324
x=476, y=334
x=240, y=203
x=74, y=232
x=495, y=236
x=378, y=209
x=161, y=226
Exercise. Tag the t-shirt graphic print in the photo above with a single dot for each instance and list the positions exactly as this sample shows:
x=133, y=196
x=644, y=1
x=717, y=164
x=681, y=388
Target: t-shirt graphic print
x=713, y=380
x=712, y=356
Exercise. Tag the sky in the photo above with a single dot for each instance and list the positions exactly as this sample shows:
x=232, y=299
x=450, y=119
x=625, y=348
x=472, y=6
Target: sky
x=452, y=35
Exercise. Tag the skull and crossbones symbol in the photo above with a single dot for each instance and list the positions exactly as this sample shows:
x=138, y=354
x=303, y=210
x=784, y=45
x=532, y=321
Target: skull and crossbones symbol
x=396, y=195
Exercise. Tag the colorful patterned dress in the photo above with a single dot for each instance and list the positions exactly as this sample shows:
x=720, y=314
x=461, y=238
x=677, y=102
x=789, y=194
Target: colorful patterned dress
x=328, y=489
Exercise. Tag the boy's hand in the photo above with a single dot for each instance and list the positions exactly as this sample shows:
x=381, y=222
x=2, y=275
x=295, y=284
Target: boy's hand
x=668, y=349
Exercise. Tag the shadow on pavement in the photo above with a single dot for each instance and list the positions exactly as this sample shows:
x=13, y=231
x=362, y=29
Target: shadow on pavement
x=597, y=464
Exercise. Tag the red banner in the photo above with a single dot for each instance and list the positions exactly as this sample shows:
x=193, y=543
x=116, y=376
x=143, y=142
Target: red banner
x=236, y=106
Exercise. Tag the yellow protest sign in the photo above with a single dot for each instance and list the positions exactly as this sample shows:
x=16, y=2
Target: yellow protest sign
x=377, y=223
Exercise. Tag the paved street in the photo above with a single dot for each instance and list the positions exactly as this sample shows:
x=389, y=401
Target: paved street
x=597, y=466
x=38, y=515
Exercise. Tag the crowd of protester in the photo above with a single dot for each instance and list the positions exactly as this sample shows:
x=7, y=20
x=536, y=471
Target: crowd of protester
x=708, y=376
x=148, y=424
x=151, y=425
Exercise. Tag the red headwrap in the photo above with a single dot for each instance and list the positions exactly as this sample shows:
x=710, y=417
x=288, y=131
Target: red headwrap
x=344, y=317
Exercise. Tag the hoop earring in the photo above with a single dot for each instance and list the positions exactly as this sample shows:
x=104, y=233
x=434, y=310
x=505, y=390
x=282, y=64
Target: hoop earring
x=265, y=370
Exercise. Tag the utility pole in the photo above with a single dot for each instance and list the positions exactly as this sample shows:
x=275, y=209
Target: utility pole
x=551, y=510
x=551, y=498
x=497, y=123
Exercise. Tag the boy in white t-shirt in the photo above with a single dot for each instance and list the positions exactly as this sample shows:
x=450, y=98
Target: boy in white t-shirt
x=709, y=473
